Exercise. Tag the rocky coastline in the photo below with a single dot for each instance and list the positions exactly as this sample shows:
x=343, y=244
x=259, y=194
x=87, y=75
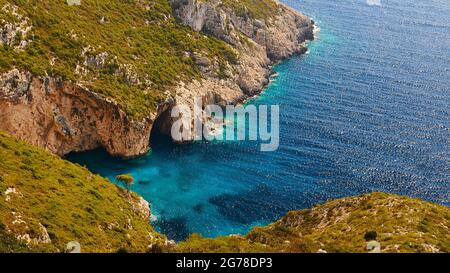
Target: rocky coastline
x=64, y=116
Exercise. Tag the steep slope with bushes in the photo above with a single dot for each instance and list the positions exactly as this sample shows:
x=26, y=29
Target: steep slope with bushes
x=399, y=224
x=47, y=202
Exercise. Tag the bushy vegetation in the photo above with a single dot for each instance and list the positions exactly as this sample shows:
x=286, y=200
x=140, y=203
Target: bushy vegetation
x=148, y=52
x=127, y=180
x=40, y=191
x=400, y=224
x=256, y=9
x=10, y=244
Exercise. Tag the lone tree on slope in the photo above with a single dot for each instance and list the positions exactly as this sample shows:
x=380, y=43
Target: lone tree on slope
x=127, y=180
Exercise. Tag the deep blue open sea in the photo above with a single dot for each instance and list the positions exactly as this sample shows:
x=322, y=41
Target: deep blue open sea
x=366, y=109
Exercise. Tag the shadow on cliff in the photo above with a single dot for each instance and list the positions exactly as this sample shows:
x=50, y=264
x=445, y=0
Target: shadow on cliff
x=160, y=138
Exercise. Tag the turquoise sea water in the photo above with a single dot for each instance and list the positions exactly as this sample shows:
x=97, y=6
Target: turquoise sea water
x=367, y=109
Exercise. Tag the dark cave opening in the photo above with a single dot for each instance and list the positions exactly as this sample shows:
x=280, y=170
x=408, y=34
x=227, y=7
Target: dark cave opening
x=161, y=130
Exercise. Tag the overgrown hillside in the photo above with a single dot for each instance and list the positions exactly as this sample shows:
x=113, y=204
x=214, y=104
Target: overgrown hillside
x=46, y=202
x=131, y=51
x=257, y=9
x=402, y=224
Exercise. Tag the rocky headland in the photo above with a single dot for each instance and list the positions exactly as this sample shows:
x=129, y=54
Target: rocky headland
x=352, y=224
x=71, y=112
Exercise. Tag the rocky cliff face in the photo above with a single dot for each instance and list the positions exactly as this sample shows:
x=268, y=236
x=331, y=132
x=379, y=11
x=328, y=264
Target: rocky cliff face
x=260, y=42
x=64, y=116
x=280, y=35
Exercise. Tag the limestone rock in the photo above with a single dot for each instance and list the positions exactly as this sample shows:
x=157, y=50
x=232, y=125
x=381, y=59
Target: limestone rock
x=62, y=117
x=15, y=34
x=142, y=207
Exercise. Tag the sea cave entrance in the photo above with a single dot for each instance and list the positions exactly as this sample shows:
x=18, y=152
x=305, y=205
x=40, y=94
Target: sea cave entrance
x=160, y=135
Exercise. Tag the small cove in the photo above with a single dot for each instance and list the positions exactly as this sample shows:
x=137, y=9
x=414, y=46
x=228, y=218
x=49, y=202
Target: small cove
x=366, y=109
